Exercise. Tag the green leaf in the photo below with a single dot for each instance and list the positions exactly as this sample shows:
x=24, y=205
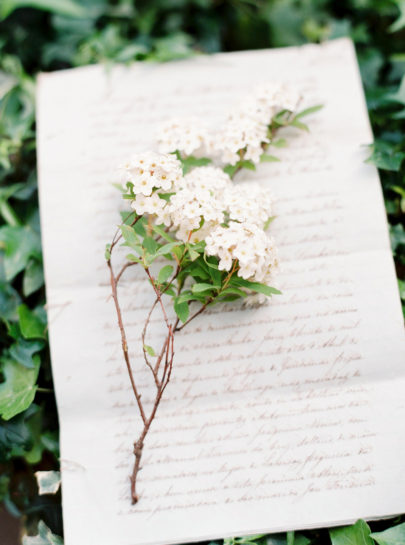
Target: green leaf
x=150, y=245
x=164, y=273
x=233, y=291
x=265, y=158
x=44, y=537
x=131, y=238
x=247, y=164
x=33, y=277
x=357, y=534
x=32, y=326
x=202, y=287
x=267, y=222
x=279, y=143
x=299, y=125
x=22, y=351
x=19, y=245
x=255, y=286
x=149, y=350
x=193, y=254
x=60, y=7
x=166, y=248
x=391, y=536
x=107, y=252
x=48, y=481
x=309, y=111
x=191, y=162
x=386, y=156
x=17, y=392
x=160, y=231
x=182, y=310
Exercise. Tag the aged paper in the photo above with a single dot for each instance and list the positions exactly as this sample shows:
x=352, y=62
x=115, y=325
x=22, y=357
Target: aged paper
x=283, y=417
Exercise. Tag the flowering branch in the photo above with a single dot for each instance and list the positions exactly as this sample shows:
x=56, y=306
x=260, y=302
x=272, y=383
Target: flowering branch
x=208, y=231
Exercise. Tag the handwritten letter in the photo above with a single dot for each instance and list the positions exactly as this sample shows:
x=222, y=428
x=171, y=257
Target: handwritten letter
x=283, y=417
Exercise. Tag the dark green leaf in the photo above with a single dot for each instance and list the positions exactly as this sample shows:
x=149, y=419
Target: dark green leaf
x=386, y=156
x=166, y=248
x=19, y=245
x=255, y=286
x=22, y=351
x=202, y=287
x=62, y=7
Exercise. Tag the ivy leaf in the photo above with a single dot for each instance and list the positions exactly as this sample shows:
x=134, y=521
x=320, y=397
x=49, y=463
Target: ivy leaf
x=44, y=537
x=164, y=273
x=9, y=302
x=17, y=392
x=399, y=23
x=22, y=351
x=32, y=326
x=19, y=245
x=48, y=481
x=397, y=237
x=386, y=156
x=182, y=310
x=33, y=277
x=391, y=536
x=357, y=534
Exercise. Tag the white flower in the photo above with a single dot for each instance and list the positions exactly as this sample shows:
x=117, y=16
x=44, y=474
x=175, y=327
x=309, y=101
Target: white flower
x=149, y=171
x=149, y=205
x=248, y=202
x=187, y=135
x=237, y=134
x=247, y=243
x=192, y=209
x=208, y=178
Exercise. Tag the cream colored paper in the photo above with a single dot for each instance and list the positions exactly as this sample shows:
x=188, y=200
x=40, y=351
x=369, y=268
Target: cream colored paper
x=284, y=417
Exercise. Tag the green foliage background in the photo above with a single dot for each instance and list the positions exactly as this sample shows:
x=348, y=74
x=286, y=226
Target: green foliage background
x=43, y=35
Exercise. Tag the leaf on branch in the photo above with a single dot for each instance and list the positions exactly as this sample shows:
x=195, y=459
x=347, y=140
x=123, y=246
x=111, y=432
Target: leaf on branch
x=149, y=350
x=191, y=162
x=266, y=158
x=299, y=125
x=131, y=238
x=202, y=287
x=166, y=248
x=182, y=310
x=48, y=481
x=357, y=534
x=309, y=111
x=160, y=231
x=164, y=273
x=255, y=286
x=280, y=143
x=17, y=392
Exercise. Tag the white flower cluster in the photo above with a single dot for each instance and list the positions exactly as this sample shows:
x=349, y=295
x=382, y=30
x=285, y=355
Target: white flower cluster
x=205, y=205
x=188, y=135
x=248, y=203
x=247, y=243
x=243, y=134
x=247, y=125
